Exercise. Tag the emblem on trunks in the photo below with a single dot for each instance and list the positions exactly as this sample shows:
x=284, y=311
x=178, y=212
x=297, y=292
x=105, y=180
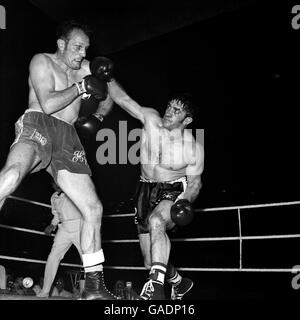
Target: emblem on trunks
x=39, y=138
x=79, y=156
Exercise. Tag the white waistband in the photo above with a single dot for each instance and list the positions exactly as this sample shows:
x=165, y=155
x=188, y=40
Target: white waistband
x=181, y=179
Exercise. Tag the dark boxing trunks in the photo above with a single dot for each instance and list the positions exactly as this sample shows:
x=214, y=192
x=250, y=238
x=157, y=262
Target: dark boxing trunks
x=55, y=141
x=150, y=194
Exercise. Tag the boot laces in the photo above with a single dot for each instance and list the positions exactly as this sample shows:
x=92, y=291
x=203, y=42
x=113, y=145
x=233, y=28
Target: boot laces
x=147, y=290
x=101, y=280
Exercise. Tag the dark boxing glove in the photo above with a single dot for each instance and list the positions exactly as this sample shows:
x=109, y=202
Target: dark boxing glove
x=88, y=126
x=91, y=85
x=102, y=68
x=182, y=212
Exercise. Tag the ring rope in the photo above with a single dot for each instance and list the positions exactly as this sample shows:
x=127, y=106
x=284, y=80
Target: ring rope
x=281, y=236
x=37, y=261
x=240, y=238
x=252, y=206
x=22, y=229
x=30, y=201
x=292, y=270
x=288, y=236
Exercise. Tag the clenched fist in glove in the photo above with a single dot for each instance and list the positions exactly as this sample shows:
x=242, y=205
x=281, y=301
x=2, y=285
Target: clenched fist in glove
x=91, y=85
x=102, y=68
x=182, y=212
x=89, y=126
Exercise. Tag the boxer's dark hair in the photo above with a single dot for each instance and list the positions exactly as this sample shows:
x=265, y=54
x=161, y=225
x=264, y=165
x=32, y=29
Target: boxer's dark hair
x=186, y=99
x=65, y=28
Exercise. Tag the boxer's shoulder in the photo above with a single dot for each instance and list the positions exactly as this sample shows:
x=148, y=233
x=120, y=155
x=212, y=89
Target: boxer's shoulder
x=152, y=118
x=42, y=60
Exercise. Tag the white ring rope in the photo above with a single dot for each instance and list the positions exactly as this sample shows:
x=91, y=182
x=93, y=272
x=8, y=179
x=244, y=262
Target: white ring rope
x=30, y=201
x=251, y=206
x=293, y=270
x=37, y=261
x=21, y=229
x=280, y=236
x=240, y=238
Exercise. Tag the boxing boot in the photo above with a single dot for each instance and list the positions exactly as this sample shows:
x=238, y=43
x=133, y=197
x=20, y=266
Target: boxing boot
x=95, y=288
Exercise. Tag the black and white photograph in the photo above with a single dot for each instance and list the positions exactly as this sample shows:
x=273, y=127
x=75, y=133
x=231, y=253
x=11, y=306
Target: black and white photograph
x=149, y=151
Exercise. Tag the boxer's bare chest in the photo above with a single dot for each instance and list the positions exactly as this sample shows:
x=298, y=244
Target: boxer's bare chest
x=164, y=149
x=64, y=79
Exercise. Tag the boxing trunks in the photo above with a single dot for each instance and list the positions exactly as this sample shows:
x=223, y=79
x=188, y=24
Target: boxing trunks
x=55, y=141
x=149, y=194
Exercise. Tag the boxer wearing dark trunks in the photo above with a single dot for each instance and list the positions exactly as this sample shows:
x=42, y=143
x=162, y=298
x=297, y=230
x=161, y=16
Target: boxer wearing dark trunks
x=168, y=153
x=55, y=141
x=150, y=194
x=46, y=138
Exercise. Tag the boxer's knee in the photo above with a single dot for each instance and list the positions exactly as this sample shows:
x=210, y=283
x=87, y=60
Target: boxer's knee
x=94, y=212
x=156, y=222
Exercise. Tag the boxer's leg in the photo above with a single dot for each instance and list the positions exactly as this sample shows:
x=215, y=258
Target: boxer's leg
x=145, y=245
x=160, y=246
x=21, y=159
x=180, y=285
x=159, y=219
x=159, y=222
x=76, y=242
x=81, y=190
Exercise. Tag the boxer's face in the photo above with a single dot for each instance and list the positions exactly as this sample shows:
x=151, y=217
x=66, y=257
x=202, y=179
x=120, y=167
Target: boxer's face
x=74, y=48
x=175, y=115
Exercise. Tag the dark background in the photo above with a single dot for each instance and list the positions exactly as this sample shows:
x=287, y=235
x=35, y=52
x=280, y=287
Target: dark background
x=229, y=56
x=236, y=57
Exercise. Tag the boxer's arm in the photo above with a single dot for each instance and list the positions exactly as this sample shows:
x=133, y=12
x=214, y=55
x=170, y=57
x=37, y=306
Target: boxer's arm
x=43, y=82
x=90, y=125
x=193, y=173
x=120, y=97
x=194, y=185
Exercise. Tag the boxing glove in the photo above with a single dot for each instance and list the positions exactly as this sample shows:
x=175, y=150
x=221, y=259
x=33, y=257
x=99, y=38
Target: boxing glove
x=93, y=86
x=88, y=126
x=102, y=68
x=182, y=212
